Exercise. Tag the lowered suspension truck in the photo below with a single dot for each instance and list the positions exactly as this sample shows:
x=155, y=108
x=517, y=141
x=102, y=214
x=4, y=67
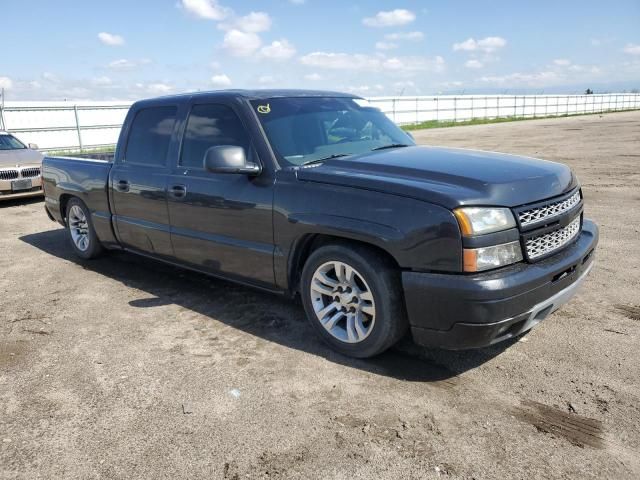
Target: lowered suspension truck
x=319, y=195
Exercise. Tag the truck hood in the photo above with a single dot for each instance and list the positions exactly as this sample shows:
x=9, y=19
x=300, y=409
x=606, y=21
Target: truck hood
x=24, y=156
x=450, y=177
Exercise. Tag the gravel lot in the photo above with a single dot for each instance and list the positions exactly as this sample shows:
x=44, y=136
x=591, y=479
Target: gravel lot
x=125, y=368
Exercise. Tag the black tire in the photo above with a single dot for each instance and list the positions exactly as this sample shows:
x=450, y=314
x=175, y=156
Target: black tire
x=94, y=248
x=383, y=281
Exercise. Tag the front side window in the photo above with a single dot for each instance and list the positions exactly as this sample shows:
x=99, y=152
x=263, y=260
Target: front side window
x=307, y=129
x=9, y=142
x=150, y=136
x=209, y=126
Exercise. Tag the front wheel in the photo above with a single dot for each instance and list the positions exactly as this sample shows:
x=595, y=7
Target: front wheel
x=80, y=231
x=353, y=299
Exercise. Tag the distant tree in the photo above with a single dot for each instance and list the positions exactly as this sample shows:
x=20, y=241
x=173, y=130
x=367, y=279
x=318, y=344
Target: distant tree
x=588, y=92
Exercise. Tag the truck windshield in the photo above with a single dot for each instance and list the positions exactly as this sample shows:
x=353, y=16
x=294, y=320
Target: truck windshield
x=308, y=129
x=9, y=142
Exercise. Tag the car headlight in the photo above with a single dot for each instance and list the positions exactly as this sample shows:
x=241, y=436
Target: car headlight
x=477, y=221
x=481, y=220
x=486, y=258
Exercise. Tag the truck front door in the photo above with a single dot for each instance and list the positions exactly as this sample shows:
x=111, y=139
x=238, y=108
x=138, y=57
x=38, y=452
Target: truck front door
x=221, y=223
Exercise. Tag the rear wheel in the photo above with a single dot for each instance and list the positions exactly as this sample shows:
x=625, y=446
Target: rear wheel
x=352, y=297
x=82, y=235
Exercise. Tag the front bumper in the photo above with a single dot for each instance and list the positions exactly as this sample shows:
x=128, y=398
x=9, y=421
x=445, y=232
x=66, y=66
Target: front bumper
x=7, y=194
x=471, y=311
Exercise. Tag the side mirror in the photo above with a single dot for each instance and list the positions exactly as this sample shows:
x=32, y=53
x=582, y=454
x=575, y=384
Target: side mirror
x=33, y=146
x=229, y=159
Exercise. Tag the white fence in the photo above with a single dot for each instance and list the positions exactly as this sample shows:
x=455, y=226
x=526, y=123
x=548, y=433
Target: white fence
x=61, y=126
x=408, y=110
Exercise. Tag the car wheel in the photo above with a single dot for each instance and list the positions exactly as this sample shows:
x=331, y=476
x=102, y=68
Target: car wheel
x=353, y=299
x=80, y=230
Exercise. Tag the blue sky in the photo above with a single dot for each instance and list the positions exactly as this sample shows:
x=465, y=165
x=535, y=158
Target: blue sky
x=126, y=49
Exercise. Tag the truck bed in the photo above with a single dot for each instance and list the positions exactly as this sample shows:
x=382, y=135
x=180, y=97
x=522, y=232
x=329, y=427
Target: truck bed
x=84, y=178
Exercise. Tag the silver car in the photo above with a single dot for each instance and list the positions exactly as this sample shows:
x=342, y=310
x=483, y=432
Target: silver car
x=20, y=168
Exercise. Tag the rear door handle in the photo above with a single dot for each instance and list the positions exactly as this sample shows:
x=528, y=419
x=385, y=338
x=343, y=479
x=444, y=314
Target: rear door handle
x=178, y=191
x=122, y=186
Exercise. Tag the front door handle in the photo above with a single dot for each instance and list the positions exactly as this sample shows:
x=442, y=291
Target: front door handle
x=178, y=191
x=122, y=186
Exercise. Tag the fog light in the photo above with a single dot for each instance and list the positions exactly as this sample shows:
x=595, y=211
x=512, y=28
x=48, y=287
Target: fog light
x=486, y=258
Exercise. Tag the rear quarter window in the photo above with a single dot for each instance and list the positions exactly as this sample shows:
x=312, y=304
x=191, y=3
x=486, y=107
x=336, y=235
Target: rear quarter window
x=150, y=135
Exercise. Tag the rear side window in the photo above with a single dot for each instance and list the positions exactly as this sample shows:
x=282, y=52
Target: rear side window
x=209, y=126
x=150, y=135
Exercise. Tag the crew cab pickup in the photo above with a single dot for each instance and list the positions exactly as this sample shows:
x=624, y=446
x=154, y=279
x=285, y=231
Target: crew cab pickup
x=319, y=195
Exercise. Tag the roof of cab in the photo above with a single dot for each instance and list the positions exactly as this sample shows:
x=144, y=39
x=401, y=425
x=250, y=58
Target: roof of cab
x=248, y=94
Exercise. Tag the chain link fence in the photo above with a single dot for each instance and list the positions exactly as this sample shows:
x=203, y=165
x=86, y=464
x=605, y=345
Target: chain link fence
x=92, y=125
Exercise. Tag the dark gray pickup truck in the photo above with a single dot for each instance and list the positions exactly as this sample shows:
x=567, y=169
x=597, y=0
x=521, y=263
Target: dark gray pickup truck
x=319, y=195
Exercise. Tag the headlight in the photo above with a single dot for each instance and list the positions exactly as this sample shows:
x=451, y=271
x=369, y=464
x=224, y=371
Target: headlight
x=481, y=220
x=485, y=258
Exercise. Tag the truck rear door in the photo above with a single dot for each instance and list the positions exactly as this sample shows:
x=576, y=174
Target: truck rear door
x=139, y=181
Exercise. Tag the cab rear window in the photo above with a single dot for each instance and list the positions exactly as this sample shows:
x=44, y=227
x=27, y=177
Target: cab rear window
x=150, y=135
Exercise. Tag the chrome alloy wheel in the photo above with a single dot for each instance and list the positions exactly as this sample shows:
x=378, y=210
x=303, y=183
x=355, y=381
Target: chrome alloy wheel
x=343, y=302
x=79, y=228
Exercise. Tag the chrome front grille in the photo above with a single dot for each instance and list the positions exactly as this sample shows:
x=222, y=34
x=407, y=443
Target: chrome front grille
x=548, y=211
x=30, y=172
x=8, y=174
x=549, y=242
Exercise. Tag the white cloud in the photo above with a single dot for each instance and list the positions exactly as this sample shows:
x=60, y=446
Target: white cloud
x=50, y=77
x=528, y=79
x=562, y=62
x=103, y=81
x=266, y=80
x=241, y=44
x=487, y=45
x=386, y=45
x=584, y=68
x=254, y=22
x=404, y=84
x=207, y=9
x=363, y=89
x=314, y=77
x=473, y=64
x=413, y=36
x=111, y=39
x=297, y=2
x=632, y=49
x=392, y=18
x=414, y=64
x=221, y=80
x=124, y=64
x=6, y=82
x=347, y=61
x=278, y=50
x=159, y=88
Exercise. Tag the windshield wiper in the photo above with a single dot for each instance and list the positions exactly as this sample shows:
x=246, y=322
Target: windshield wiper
x=330, y=157
x=392, y=145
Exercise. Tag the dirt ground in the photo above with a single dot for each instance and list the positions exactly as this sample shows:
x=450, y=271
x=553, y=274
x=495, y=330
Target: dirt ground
x=126, y=368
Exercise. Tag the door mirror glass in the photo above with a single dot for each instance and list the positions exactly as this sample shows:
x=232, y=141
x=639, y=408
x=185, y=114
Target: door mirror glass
x=229, y=159
x=33, y=146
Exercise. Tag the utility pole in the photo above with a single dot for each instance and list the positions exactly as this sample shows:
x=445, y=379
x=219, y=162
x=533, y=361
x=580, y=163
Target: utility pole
x=2, y=108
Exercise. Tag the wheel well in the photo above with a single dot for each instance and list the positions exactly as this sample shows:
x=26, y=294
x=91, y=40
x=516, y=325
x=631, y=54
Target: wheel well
x=64, y=200
x=311, y=242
